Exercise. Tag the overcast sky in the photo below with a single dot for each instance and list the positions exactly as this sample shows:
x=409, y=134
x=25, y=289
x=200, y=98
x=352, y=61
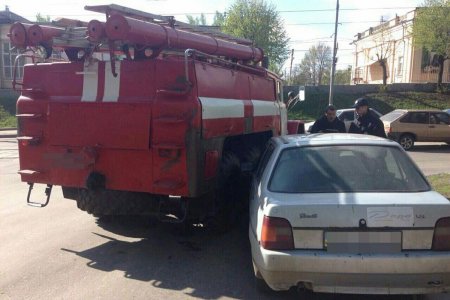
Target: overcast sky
x=305, y=26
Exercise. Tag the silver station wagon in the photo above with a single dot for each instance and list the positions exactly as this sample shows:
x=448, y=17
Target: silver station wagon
x=342, y=213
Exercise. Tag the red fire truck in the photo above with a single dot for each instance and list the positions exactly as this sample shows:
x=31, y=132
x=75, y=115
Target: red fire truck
x=149, y=116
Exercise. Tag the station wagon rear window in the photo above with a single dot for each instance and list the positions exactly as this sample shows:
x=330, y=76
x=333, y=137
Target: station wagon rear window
x=394, y=115
x=345, y=168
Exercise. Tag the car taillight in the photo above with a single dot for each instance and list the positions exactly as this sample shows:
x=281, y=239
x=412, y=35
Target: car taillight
x=276, y=234
x=441, y=238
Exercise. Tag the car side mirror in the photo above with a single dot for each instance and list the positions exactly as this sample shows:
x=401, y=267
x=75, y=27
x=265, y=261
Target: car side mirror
x=301, y=93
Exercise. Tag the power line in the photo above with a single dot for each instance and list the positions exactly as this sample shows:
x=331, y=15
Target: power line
x=280, y=11
x=328, y=23
x=325, y=39
x=307, y=50
x=349, y=9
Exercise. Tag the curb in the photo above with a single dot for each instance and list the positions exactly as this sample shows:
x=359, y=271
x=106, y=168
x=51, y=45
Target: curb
x=8, y=132
x=8, y=128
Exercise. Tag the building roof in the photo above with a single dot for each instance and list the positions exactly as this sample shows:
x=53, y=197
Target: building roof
x=385, y=25
x=8, y=17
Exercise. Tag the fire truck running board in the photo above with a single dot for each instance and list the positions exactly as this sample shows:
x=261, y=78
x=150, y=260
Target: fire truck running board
x=28, y=172
x=48, y=192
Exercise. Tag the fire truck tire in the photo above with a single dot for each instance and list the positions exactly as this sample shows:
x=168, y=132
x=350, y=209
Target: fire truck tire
x=227, y=196
x=253, y=155
x=109, y=202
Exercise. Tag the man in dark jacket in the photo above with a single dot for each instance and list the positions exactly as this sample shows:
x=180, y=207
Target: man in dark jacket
x=365, y=121
x=328, y=122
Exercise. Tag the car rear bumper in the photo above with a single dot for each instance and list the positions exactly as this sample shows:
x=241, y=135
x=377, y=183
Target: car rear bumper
x=393, y=135
x=411, y=272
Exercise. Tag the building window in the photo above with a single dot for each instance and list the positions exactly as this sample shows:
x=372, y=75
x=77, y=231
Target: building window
x=400, y=66
x=429, y=61
x=8, y=58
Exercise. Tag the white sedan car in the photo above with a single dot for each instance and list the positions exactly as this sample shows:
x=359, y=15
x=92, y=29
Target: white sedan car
x=342, y=213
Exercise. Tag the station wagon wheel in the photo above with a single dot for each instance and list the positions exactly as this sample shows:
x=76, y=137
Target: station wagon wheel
x=406, y=141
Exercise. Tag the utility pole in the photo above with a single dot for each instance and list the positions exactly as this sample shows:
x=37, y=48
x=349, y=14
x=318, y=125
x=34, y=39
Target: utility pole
x=333, y=66
x=290, y=70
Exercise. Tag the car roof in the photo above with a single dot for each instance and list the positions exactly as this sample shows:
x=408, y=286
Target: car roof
x=418, y=110
x=352, y=109
x=322, y=139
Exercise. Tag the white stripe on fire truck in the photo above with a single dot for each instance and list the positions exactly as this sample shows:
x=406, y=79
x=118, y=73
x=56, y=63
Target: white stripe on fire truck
x=112, y=84
x=219, y=108
x=263, y=108
x=90, y=82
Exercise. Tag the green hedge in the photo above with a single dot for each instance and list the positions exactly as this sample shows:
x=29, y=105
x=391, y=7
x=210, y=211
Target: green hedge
x=8, y=111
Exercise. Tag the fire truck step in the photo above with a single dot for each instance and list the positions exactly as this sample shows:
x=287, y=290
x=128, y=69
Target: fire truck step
x=29, y=140
x=48, y=192
x=29, y=116
x=28, y=172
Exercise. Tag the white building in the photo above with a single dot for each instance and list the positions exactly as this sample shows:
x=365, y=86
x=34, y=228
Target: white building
x=405, y=62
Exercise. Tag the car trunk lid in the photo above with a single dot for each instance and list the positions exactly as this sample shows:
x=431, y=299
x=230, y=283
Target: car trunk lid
x=347, y=222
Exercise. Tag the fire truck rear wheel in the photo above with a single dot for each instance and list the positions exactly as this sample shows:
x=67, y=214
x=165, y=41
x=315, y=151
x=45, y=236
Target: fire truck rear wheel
x=227, y=194
x=109, y=202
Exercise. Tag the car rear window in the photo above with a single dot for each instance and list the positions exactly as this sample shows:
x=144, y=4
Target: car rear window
x=346, y=116
x=394, y=115
x=345, y=168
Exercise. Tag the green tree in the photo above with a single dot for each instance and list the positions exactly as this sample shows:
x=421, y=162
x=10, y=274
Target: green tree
x=259, y=21
x=219, y=19
x=343, y=77
x=383, y=49
x=197, y=20
x=431, y=30
x=314, y=66
x=41, y=18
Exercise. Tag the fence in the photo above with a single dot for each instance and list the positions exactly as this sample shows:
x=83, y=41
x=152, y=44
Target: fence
x=367, y=88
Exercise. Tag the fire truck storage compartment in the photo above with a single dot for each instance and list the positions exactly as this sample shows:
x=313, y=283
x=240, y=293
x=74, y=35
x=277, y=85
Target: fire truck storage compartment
x=108, y=125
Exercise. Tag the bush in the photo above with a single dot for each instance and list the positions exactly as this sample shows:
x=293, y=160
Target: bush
x=8, y=110
x=6, y=119
x=383, y=89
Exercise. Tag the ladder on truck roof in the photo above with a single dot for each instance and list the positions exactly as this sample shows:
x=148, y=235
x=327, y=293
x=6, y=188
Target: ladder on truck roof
x=165, y=20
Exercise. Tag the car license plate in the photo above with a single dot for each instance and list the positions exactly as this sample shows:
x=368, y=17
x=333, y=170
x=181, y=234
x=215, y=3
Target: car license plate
x=372, y=242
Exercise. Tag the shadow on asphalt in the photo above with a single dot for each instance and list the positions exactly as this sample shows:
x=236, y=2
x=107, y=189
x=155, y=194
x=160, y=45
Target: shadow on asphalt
x=200, y=264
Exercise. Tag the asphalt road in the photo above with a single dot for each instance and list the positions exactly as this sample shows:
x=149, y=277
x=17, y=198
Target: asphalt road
x=60, y=252
x=432, y=158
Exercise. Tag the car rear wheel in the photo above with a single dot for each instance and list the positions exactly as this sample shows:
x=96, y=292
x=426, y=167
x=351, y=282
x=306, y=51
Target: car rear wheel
x=406, y=141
